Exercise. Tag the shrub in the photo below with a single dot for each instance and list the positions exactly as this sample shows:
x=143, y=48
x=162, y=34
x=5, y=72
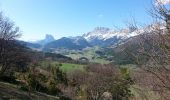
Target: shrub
x=101, y=79
x=60, y=64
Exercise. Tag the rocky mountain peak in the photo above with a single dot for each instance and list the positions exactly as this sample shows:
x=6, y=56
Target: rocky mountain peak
x=49, y=37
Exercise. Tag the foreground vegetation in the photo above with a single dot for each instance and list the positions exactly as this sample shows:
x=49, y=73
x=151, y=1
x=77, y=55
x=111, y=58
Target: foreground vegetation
x=11, y=91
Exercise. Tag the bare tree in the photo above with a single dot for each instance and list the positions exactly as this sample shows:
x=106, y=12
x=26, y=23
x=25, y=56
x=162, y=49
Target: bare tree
x=101, y=82
x=8, y=34
x=153, y=54
x=8, y=31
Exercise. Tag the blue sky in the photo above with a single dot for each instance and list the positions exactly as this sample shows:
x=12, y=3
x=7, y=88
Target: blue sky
x=62, y=18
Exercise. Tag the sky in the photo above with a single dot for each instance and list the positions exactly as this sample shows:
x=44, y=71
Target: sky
x=62, y=18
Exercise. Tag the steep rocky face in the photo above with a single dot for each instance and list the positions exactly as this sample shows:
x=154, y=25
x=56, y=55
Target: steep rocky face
x=102, y=36
x=48, y=39
x=97, y=33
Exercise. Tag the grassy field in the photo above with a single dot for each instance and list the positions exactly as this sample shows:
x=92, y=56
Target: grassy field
x=67, y=67
x=89, y=54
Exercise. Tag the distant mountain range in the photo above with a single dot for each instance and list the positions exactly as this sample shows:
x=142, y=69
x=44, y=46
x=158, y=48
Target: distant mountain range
x=100, y=36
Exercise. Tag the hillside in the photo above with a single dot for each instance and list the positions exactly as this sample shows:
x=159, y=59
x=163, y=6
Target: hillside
x=68, y=43
x=10, y=91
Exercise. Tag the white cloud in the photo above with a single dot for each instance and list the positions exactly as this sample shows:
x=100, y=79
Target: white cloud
x=163, y=1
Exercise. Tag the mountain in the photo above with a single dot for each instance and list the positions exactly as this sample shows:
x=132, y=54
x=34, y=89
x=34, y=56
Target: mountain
x=48, y=39
x=38, y=44
x=67, y=43
x=97, y=33
x=134, y=50
x=80, y=41
x=30, y=45
x=102, y=36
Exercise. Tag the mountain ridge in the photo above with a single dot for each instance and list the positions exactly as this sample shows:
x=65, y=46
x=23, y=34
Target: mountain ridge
x=100, y=36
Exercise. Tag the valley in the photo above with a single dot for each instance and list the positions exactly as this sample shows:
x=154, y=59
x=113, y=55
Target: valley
x=93, y=46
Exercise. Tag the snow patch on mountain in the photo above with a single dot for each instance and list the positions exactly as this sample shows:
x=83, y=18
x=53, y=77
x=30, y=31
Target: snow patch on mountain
x=102, y=33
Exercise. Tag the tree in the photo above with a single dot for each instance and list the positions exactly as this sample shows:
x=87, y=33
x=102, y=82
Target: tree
x=12, y=54
x=8, y=31
x=154, y=47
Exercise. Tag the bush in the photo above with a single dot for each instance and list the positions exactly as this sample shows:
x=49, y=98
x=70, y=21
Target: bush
x=60, y=64
x=52, y=87
x=101, y=79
